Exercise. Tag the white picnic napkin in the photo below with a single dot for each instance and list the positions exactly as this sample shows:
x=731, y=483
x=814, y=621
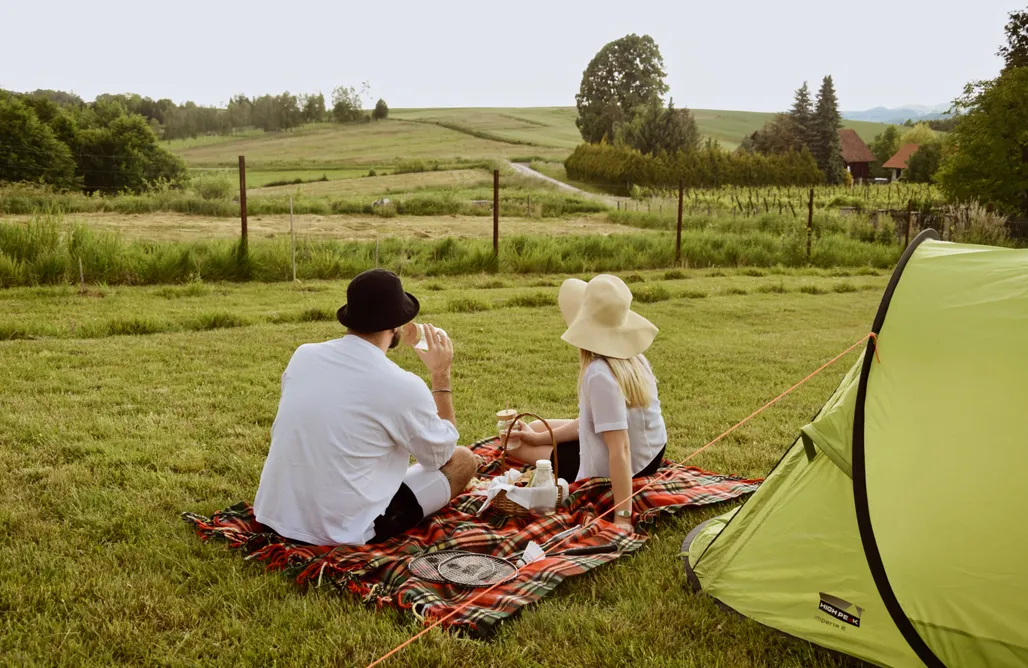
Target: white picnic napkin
x=533, y=498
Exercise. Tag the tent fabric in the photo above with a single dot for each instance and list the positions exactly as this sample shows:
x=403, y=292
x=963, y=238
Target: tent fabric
x=891, y=529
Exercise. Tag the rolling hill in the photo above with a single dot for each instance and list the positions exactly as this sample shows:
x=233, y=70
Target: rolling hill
x=543, y=133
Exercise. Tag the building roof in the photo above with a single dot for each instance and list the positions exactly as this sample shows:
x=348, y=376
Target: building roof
x=899, y=161
x=853, y=147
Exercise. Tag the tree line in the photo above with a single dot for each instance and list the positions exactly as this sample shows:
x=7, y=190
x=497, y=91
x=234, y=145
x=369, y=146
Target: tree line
x=112, y=144
x=100, y=147
x=270, y=113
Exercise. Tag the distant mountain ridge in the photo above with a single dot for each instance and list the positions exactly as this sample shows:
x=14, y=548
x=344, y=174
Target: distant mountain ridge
x=898, y=115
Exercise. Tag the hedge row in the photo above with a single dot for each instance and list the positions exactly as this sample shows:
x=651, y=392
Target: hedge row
x=619, y=168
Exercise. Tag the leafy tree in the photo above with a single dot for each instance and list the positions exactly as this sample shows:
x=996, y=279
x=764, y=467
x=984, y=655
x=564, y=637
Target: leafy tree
x=884, y=147
x=825, y=143
x=313, y=108
x=276, y=112
x=781, y=134
x=1015, y=51
x=346, y=104
x=58, y=97
x=29, y=150
x=655, y=128
x=381, y=111
x=123, y=155
x=624, y=75
x=944, y=124
x=919, y=134
x=802, y=117
x=240, y=111
x=923, y=165
x=989, y=160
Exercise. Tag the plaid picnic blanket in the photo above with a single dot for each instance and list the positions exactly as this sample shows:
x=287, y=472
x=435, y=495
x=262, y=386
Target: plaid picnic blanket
x=379, y=575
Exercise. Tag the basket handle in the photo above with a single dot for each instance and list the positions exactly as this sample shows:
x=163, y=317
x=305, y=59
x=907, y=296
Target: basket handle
x=553, y=440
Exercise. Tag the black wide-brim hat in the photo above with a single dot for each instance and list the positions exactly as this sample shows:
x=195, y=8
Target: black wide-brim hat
x=376, y=301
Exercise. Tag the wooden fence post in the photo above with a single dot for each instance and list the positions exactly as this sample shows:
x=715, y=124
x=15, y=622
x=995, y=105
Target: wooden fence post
x=242, y=196
x=292, y=238
x=496, y=214
x=810, y=223
x=678, y=235
x=910, y=211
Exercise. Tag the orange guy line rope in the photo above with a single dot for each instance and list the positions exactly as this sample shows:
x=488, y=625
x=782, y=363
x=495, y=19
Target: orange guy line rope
x=760, y=410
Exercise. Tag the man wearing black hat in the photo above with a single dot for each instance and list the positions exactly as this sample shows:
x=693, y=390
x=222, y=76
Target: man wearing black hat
x=350, y=419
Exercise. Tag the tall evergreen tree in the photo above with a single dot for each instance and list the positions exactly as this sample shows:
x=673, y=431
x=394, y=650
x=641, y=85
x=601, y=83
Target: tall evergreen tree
x=825, y=126
x=802, y=115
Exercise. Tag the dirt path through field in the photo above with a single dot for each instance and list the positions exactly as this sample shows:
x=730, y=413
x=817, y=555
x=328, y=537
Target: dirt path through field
x=528, y=171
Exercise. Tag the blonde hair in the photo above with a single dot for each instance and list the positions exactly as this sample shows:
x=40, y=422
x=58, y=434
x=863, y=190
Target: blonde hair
x=630, y=375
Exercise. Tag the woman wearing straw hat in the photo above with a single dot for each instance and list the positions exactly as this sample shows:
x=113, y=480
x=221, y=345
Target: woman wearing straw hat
x=620, y=431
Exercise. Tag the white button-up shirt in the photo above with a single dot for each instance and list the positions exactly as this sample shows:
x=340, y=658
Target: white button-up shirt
x=348, y=420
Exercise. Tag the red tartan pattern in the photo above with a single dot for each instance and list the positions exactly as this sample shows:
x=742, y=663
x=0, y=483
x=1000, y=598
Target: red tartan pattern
x=378, y=573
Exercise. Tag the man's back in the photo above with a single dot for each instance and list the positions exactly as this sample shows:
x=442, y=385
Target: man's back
x=347, y=422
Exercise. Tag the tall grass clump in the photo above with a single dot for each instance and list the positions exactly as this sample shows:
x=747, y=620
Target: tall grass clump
x=651, y=294
x=466, y=305
x=974, y=224
x=532, y=300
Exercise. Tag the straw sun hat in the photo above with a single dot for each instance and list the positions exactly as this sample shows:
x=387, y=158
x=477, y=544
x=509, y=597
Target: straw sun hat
x=600, y=318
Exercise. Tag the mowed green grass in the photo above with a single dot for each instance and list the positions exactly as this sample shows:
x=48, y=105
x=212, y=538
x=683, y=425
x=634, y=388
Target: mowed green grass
x=541, y=126
x=548, y=133
x=103, y=442
x=360, y=144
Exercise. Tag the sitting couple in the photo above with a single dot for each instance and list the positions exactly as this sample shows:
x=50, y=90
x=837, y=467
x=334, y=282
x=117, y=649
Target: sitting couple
x=349, y=419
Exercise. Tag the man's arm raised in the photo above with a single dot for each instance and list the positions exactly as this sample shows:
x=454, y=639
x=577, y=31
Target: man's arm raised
x=439, y=359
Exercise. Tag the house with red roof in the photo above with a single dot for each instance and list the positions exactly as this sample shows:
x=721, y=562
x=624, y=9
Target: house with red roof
x=898, y=162
x=855, y=153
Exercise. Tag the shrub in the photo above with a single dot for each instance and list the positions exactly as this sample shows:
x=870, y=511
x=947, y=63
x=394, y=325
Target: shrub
x=381, y=111
x=674, y=275
x=844, y=287
x=212, y=186
x=466, y=305
x=532, y=300
x=634, y=278
x=694, y=294
x=810, y=289
x=773, y=288
x=736, y=291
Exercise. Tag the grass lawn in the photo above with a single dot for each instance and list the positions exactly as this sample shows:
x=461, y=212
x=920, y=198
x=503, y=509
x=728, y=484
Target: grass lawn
x=103, y=441
x=357, y=144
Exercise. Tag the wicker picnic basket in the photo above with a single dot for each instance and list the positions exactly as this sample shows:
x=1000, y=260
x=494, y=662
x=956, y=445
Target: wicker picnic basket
x=501, y=503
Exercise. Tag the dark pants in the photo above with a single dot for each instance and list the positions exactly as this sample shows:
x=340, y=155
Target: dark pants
x=569, y=460
x=403, y=513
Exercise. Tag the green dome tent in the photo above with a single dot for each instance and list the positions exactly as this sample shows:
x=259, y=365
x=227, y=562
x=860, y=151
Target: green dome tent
x=894, y=529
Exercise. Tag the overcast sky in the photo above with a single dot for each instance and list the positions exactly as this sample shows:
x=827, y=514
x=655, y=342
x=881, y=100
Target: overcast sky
x=718, y=55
